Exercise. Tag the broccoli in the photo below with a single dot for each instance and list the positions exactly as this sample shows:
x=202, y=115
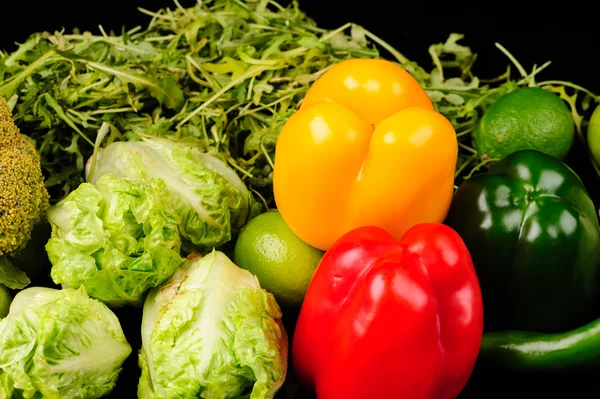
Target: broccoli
x=23, y=195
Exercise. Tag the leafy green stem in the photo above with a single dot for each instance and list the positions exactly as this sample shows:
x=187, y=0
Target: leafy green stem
x=516, y=63
x=571, y=85
x=399, y=56
x=9, y=86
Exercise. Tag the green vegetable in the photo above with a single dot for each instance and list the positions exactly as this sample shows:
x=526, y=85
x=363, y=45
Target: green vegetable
x=23, y=197
x=534, y=237
x=210, y=199
x=532, y=351
x=212, y=332
x=226, y=74
x=593, y=136
x=5, y=299
x=118, y=238
x=533, y=234
x=11, y=276
x=526, y=118
x=59, y=344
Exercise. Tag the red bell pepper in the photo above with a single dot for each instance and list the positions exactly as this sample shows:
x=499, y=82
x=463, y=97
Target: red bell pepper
x=390, y=319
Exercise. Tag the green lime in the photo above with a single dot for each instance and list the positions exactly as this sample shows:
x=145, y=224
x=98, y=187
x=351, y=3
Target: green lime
x=5, y=300
x=282, y=262
x=526, y=118
x=593, y=135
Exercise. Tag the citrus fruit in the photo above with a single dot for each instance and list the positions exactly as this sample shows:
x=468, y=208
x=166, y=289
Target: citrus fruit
x=593, y=135
x=282, y=262
x=526, y=118
x=4, y=301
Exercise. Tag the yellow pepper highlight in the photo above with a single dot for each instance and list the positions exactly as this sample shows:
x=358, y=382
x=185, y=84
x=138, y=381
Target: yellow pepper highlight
x=366, y=147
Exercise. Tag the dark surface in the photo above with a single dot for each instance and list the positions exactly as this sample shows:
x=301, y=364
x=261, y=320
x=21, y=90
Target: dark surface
x=567, y=40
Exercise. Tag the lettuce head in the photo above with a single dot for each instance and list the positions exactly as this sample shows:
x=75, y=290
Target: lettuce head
x=210, y=198
x=118, y=238
x=60, y=344
x=211, y=331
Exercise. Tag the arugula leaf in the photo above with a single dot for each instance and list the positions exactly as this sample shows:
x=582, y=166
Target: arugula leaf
x=226, y=75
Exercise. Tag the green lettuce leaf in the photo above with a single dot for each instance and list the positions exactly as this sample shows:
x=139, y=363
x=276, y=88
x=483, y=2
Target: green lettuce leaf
x=210, y=198
x=60, y=344
x=118, y=238
x=211, y=331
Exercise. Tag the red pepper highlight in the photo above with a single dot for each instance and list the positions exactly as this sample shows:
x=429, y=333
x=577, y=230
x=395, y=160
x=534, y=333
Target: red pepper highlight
x=384, y=318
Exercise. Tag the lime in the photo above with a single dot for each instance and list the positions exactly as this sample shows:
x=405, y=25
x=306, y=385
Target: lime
x=593, y=135
x=526, y=118
x=5, y=300
x=282, y=262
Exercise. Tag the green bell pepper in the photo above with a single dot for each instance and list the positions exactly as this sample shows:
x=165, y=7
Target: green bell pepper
x=533, y=233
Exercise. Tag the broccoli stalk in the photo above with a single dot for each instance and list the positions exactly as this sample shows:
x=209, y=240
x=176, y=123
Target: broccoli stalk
x=23, y=196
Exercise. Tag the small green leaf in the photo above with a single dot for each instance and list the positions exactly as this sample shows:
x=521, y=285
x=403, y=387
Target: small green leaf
x=167, y=91
x=312, y=42
x=229, y=65
x=11, y=276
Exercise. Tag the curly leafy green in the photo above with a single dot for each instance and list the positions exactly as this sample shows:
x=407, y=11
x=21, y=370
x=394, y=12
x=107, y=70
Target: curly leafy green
x=209, y=198
x=118, y=238
x=211, y=331
x=60, y=344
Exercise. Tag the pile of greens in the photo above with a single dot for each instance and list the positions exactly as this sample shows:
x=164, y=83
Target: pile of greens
x=226, y=74
x=186, y=111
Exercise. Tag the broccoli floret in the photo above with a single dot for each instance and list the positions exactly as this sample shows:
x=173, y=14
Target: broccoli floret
x=23, y=196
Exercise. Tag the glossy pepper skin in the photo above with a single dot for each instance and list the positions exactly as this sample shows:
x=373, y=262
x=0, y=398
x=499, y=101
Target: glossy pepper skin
x=387, y=318
x=533, y=234
x=532, y=351
x=366, y=147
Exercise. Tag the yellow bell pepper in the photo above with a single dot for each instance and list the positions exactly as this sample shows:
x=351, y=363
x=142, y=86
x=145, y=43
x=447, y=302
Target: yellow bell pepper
x=366, y=147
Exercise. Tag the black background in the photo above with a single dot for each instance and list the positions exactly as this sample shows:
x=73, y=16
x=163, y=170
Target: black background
x=565, y=36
